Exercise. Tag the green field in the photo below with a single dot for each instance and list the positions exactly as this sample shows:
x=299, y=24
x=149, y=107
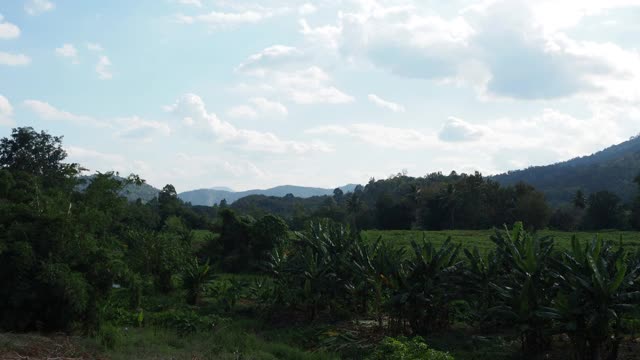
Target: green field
x=481, y=238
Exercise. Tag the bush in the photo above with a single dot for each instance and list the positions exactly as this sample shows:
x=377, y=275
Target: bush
x=407, y=349
x=109, y=336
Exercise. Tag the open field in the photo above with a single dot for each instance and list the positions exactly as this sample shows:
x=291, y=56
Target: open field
x=481, y=238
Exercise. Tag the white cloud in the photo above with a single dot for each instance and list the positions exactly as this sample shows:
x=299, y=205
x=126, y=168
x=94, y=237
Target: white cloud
x=47, y=111
x=103, y=68
x=14, y=59
x=94, y=47
x=242, y=111
x=273, y=56
x=6, y=112
x=455, y=130
x=222, y=20
x=192, y=110
x=136, y=128
x=8, y=30
x=378, y=101
x=258, y=106
x=382, y=136
x=269, y=107
x=36, y=7
x=196, y=3
x=307, y=9
x=68, y=51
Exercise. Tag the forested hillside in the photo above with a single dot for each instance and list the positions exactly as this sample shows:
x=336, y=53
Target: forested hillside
x=612, y=169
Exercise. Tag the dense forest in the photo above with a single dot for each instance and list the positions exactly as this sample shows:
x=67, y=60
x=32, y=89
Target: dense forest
x=82, y=259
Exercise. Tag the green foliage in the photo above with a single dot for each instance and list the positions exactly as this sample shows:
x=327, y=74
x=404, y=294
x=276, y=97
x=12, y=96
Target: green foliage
x=186, y=322
x=407, y=349
x=526, y=286
x=110, y=336
x=194, y=280
x=597, y=289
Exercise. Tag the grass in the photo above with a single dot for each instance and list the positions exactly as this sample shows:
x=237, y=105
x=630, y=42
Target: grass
x=232, y=342
x=481, y=238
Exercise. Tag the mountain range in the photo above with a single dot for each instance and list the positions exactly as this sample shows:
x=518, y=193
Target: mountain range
x=211, y=196
x=208, y=197
x=612, y=169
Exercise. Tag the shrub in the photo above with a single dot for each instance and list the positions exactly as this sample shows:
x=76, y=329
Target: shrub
x=109, y=336
x=407, y=349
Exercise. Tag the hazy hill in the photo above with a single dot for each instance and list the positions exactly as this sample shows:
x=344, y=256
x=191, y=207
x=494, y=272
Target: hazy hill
x=612, y=169
x=209, y=197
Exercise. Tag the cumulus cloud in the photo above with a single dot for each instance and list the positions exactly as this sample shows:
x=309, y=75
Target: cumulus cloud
x=503, y=49
x=14, y=59
x=37, y=7
x=103, y=68
x=389, y=105
x=68, y=51
x=6, y=112
x=8, y=30
x=455, y=129
x=192, y=110
x=302, y=85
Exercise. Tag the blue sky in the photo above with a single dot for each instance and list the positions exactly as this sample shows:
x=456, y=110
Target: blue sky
x=253, y=94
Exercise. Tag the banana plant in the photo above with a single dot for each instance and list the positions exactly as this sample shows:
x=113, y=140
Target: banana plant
x=374, y=266
x=194, y=279
x=427, y=286
x=480, y=271
x=596, y=289
x=526, y=287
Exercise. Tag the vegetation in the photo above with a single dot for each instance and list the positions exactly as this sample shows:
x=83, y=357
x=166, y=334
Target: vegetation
x=164, y=279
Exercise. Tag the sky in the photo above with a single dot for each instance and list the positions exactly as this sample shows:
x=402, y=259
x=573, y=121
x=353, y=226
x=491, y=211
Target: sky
x=254, y=94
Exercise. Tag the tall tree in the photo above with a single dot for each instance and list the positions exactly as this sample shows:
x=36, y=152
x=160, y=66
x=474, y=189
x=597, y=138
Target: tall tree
x=36, y=153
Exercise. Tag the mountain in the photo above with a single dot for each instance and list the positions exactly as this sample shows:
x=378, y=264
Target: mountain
x=612, y=169
x=208, y=197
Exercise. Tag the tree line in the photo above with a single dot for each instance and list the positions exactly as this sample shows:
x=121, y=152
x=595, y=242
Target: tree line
x=447, y=202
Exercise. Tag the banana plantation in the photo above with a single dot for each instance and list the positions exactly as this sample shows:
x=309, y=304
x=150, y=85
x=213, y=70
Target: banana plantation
x=581, y=302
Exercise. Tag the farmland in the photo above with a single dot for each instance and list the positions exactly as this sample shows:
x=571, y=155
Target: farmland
x=481, y=238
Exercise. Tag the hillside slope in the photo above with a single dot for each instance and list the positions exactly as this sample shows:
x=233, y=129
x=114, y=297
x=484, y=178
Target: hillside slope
x=612, y=169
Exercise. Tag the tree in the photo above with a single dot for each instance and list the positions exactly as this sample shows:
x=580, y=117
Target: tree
x=38, y=154
x=579, y=201
x=603, y=211
x=635, y=207
x=338, y=195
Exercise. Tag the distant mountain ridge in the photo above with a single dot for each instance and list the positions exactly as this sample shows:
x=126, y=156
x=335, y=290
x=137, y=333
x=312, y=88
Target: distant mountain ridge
x=209, y=197
x=612, y=169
